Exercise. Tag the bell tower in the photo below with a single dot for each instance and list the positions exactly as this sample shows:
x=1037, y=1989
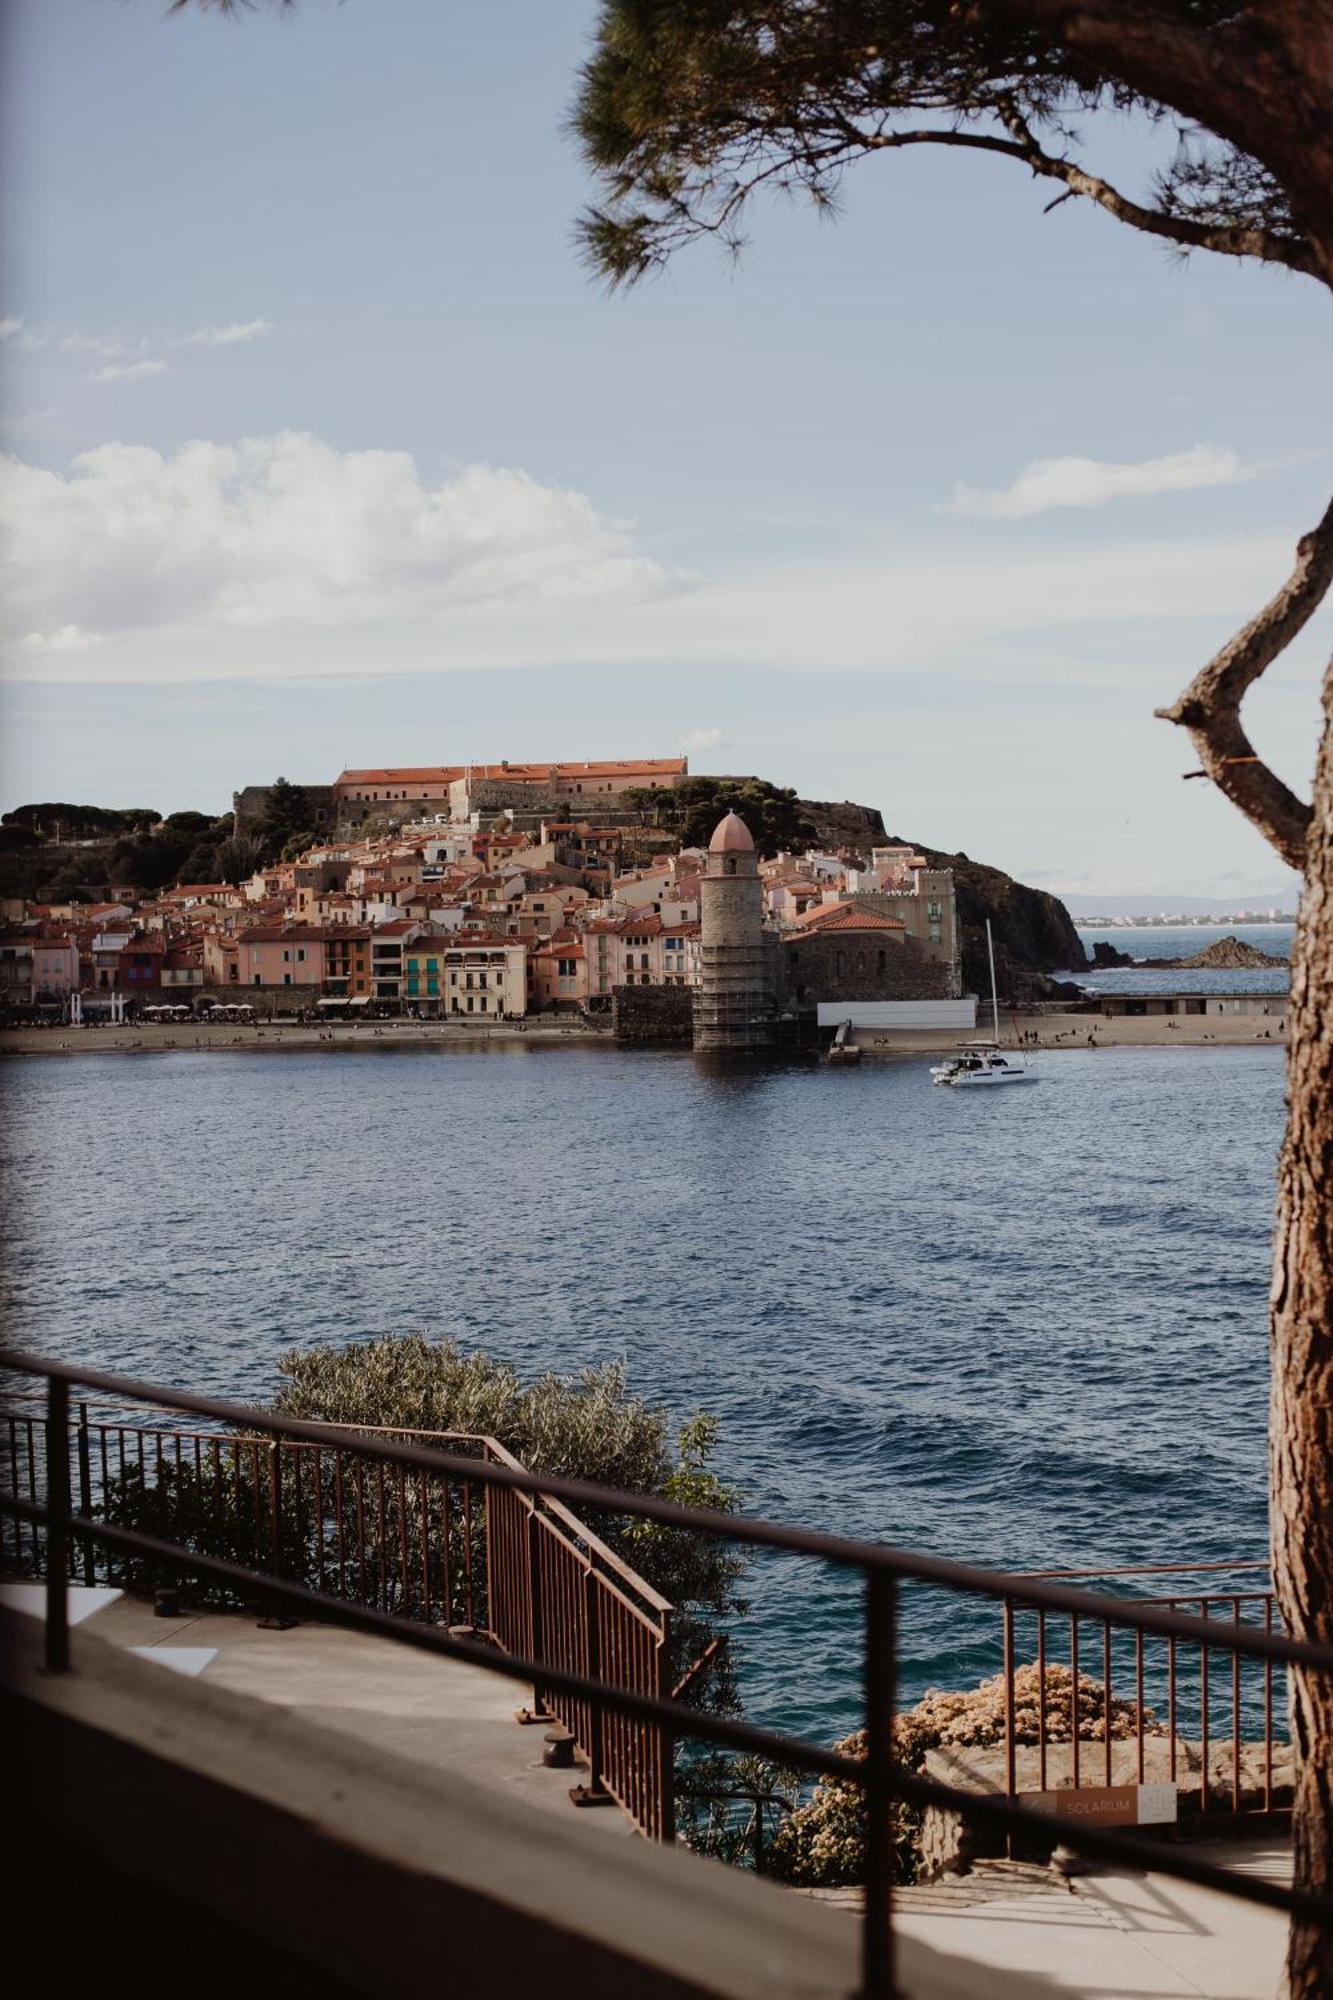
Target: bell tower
x=735, y=1008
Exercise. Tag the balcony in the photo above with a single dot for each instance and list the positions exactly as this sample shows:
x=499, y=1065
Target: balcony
x=448, y=1548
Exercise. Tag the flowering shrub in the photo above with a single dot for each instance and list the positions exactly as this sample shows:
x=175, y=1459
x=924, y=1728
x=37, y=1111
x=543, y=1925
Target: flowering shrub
x=822, y=1843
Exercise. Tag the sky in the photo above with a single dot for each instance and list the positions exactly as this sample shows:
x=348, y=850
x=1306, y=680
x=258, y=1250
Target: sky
x=324, y=449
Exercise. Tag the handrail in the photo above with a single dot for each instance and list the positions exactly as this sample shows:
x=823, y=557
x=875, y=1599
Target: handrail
x=845, y=1551
x=1154, y=1569
x=504, y=1456
x=879, y=1776
x=653, y=1598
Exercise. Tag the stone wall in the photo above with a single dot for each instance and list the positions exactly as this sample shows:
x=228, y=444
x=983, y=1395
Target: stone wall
x=251, y=803
x=847, y=965
x=652, y=1013
x=265, y=1000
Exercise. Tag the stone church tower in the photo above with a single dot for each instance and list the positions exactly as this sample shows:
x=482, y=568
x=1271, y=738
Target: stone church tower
x=735, y=1007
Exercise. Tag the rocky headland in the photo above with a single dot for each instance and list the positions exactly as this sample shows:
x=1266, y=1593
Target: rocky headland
x=1228, y=954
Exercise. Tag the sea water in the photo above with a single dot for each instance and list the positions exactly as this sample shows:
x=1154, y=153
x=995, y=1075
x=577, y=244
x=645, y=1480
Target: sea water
x=1017, y=1327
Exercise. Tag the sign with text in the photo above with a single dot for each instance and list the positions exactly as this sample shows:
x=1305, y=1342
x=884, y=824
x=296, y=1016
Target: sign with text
x=1109, y=1805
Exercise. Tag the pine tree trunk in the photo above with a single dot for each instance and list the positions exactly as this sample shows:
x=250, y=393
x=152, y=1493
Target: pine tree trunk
x=1301, y=1431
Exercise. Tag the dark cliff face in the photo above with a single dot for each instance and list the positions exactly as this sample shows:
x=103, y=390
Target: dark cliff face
x=1034, y=932
x=841, y=825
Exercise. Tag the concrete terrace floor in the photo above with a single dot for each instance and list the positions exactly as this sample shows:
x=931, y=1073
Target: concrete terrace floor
x=443, y=1714
x=1106, y=1935
x=1109, y=1934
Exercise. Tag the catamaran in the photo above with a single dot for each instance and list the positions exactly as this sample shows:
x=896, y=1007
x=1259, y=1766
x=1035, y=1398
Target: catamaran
x=982, y=1065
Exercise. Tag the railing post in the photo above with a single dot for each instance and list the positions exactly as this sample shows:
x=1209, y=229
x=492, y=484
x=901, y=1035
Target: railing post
x=666, y=1742
x=540, y=1712
x=1010, y=1747
x=592, y=1612
x=491, y=1507
x=57, y=1531
x=878, y=1954
x=86, y=1497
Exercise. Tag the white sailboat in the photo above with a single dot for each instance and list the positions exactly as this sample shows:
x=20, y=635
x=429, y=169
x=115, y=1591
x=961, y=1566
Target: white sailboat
x=983, y=1065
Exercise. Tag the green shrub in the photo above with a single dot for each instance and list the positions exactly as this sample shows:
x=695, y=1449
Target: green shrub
x=586, y=1426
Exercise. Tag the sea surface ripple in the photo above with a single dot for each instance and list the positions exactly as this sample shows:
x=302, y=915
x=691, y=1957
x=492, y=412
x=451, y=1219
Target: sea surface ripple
x=1025, y=1328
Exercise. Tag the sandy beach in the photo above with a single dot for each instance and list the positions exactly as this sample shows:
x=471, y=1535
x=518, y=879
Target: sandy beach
x=1081, y=1031
x=148, y=1038
x=1053, y=1032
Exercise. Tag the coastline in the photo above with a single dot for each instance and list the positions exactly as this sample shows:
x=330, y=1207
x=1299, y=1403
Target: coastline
x=1056, y=1032
x=179, y=1037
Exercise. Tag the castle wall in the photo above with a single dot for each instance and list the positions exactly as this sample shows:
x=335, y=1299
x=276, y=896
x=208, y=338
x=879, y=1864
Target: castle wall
x=846, y=965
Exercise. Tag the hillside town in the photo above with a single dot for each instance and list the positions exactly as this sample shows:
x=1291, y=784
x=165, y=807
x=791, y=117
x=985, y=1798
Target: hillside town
x=494, y=893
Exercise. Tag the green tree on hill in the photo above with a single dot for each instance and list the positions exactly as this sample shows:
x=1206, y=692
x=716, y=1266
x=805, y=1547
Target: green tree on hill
x=287, y=812
x=773, y=813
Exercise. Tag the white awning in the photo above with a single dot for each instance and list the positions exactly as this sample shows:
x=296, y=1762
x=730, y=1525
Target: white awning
x=339, y=1000
x=359, y=1000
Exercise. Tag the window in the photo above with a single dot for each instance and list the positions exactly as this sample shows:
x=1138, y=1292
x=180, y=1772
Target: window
x=286, y=978
x=300, y=954
x=881, y=961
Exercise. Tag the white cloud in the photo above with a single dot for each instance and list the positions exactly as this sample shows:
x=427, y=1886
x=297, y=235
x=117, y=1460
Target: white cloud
x=283, y=558
x=233, y=335
x=105, y=344
x=9, y=326
x=705, y=739
x=254, y=545
x=1088, y=482
x=128, y=371
x=65, y=639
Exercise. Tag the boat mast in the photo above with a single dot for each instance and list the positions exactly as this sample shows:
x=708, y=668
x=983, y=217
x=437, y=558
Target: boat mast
x=994, y=996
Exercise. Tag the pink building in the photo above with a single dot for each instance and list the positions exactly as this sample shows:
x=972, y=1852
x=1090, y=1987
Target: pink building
x=280, y=955
x=557, y=975
x=55, y=968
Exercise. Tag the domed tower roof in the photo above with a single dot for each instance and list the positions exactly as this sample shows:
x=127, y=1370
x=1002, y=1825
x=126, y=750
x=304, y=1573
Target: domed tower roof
x=731, y=836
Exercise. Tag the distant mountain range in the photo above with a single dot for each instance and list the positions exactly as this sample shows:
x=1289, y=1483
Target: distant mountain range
x=1281, y=898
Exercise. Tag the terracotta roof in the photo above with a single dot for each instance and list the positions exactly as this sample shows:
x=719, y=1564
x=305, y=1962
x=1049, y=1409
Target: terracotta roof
x=421, y=774
x=407, y=774
x=845, y=917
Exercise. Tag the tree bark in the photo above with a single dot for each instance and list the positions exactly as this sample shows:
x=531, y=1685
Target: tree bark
x=1264, y=81
x=1301, y=1428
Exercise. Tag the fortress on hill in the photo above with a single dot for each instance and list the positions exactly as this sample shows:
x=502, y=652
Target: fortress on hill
x=419, y=791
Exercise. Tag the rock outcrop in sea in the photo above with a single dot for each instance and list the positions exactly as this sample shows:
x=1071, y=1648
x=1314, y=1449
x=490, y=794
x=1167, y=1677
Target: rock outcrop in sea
x=1228, y=954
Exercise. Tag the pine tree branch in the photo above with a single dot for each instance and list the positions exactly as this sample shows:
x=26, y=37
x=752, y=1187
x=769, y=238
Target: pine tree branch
x=1210, y=706
x=1260, y=81
x=1227, y=240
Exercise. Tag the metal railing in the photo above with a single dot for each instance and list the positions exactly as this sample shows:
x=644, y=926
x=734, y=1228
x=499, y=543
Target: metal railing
x=1200, y=1716
x=882, y=1780
x=516, y=1568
